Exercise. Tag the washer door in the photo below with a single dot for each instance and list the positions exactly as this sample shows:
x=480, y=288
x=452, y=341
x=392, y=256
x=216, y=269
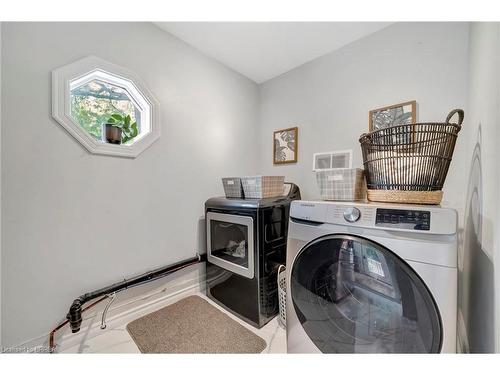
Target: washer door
x=352, y=295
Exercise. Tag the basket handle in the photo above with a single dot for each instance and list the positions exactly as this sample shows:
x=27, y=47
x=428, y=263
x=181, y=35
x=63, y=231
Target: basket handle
x=280, y=267
x=460, y=116
x=278, y=273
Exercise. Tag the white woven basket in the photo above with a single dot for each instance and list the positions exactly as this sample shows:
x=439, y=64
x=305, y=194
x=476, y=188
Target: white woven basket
x=233, y=187
x=263, y=186
x=341, y=184
x=282, y=293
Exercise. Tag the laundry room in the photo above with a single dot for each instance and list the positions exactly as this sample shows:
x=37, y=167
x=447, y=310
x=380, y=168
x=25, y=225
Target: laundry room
x=221, y=186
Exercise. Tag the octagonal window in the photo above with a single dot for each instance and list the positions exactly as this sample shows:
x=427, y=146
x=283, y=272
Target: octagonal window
x=107, y=108
x=100, y=100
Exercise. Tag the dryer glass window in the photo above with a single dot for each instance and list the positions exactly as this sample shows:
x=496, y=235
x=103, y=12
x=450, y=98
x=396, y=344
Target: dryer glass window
x=354, y=296
x=229, y=242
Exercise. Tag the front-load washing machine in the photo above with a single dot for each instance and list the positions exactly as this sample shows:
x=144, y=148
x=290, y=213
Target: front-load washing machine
x=371, y=278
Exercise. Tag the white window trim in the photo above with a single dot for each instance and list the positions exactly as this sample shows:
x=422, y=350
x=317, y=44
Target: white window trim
x=61, y=105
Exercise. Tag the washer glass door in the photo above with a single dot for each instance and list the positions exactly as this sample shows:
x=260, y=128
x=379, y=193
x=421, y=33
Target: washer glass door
x=352, y=295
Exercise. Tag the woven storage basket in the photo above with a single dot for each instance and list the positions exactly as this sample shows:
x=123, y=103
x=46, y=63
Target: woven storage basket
x=233, y=187
x=409, y=163
x=263, y=186
x=341, y=184
x=282, y=293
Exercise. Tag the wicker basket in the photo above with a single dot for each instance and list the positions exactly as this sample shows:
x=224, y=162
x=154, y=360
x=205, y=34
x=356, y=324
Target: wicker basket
x=233, y=187
x=346, y=184
x=409, y=163
x=263, y=186
x=282, y=293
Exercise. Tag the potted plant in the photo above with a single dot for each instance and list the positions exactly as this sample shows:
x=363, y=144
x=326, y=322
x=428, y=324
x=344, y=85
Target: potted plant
x=119, y=129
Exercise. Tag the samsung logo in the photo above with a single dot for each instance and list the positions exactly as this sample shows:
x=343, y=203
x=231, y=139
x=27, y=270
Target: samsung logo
x=308, y=205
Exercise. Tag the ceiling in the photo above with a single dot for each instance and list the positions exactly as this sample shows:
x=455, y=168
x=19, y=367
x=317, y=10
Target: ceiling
x=264, y=50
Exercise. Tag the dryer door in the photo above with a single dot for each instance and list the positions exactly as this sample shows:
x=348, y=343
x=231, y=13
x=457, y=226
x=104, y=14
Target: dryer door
x=230, y=242
x=352, y=295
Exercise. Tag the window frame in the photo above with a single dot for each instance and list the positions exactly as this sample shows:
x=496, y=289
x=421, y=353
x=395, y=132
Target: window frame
x=90, y=68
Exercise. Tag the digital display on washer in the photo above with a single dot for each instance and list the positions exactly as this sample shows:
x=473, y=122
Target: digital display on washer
x=403, y=219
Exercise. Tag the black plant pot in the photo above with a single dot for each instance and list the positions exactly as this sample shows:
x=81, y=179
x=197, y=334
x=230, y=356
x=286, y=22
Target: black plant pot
x=113, y=134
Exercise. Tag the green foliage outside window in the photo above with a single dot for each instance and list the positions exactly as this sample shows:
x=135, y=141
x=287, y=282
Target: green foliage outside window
x=92, y=105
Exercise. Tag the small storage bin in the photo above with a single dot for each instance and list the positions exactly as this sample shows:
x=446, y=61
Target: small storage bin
x=282, y=293
x=263, y=186
x=341, y=184
x=233, y=187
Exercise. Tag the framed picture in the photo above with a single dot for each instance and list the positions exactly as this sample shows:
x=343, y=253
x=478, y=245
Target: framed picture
x=285, y=145
x=397, y=114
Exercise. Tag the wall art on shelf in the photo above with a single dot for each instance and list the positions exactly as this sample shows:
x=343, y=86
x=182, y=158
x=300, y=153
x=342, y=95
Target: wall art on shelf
x=397, y=114
x=285, y=145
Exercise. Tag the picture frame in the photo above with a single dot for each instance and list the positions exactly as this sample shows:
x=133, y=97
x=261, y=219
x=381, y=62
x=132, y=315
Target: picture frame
x=396, y=114
x=285, y=145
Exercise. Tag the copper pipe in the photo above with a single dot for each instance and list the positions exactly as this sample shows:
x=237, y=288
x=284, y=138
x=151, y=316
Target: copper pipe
x=52, y=344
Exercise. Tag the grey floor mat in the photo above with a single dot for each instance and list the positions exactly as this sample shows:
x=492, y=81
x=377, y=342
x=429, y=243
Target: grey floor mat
x=192, y=325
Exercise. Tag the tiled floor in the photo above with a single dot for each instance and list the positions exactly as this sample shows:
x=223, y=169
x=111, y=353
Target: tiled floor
x=115, y=338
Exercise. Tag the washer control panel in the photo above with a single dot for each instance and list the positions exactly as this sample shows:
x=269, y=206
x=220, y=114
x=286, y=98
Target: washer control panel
x=403, y=219
x=397, y=218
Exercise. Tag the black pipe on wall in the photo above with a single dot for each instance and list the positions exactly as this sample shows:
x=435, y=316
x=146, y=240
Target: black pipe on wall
x=75, y=311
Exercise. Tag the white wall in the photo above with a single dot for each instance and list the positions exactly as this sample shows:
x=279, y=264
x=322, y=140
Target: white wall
x=74, y=222
x=329, y=98
x=479, y=257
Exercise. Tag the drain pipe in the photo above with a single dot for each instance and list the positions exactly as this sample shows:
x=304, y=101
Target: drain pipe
x=52, y=344
x=105, y=311
x=74, y=316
